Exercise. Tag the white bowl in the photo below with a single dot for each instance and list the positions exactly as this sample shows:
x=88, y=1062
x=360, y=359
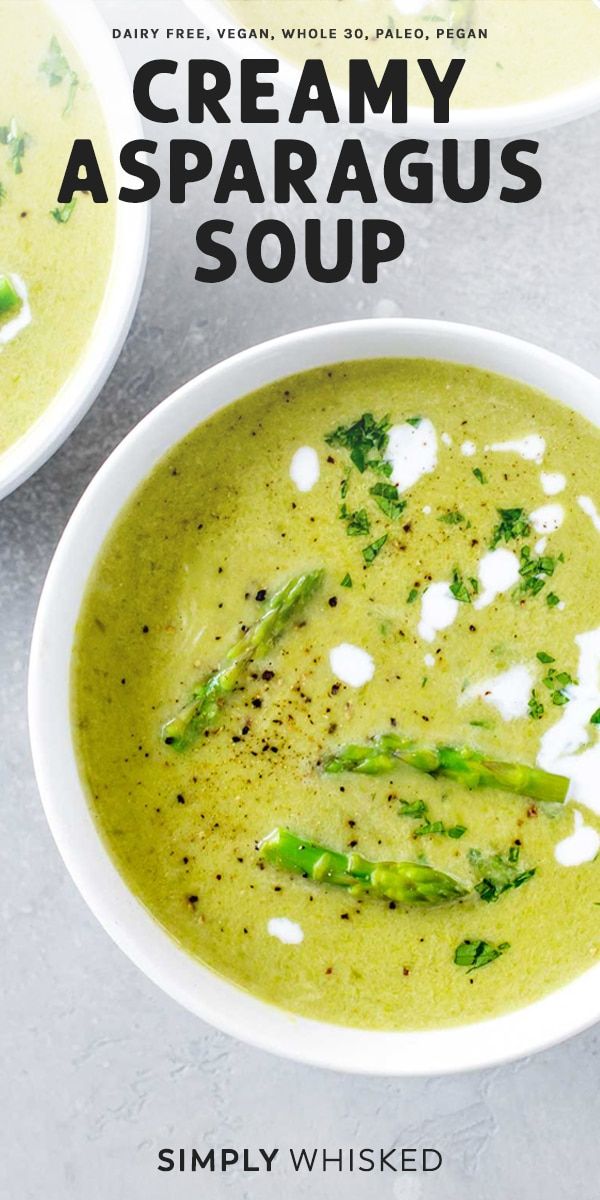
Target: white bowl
x=211, y=997
x=500, y=121
x=90, y=37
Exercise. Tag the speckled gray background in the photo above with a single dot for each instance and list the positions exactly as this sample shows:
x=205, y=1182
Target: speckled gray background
x=102, y=1069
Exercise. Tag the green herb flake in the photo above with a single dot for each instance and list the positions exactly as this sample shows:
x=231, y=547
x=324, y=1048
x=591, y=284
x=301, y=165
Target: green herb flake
x=55, y=68
x=473, y=953
x=552, y=600
x=17, y=141
x=535, y=706
x=535, y=573
x=460, y=589
x=513, y=524
x=457, y=831
x=370, y=552
x=63, y=212
x=544, y=658
x=497, y=874
x=357, y=522
x=414, y=421
x=595, y=717
x=346, y=581
x=387, y=498
x=361, y=438
x=452, y=518
x=479, y=475
x=412, y=808
x=429, y=827
x=412, y=595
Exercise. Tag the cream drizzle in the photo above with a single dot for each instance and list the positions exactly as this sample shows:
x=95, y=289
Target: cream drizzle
x=305, y=469
x=351, y=664
x=286, y=931
x=508, y=692
x=548, y=518
x=498, y=571
x=581, y=846
x=572, y=746
x=552, y=482
x=439, y=610
x=531, y=448
x=587, y=506
x=412, y=451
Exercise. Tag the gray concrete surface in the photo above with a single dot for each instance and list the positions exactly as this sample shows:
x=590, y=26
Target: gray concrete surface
x=99, y=1068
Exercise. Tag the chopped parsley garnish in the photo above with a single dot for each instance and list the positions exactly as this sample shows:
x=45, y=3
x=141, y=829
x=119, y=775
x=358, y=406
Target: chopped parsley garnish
x=63, y=212
x=479, y=475
x=345, y=484
x=556, y=682
x=362, y=439
x=595, y=717
x=386, y=496
x=473, y=953
x=456, y=831
x=55, y=68
x=380, y=466
x=452, y=518
x=535, y=706
x=346, y=581
x=412, y=595
x=414, y=421
x=418, y=808
x=544, y=658
x=429, y=827
x=17, y=142
x=535, y=573
x=513, y=524
x=370, y=552
x=552, y=600
x=498, y=873
x=412, y=808
x=460, y=587
x=357, y=522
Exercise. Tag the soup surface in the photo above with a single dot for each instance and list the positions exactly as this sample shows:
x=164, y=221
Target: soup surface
x=56, y=258
x=438, y=617
x=533, y=48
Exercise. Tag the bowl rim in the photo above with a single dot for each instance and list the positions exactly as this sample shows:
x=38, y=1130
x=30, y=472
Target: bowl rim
x=88, y=33
x=495, y=121
x=565, y=1011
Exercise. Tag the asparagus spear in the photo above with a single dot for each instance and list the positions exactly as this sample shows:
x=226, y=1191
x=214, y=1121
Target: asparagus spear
x=463, y=764
x=204, y=706
x=404, y=882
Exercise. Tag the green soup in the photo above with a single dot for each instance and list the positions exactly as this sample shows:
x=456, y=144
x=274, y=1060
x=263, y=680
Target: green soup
x=515, y=52
x=55, y=258
x=438, y=617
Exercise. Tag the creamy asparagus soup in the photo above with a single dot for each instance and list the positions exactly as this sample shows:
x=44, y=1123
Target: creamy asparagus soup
x=531, y=48
x=54, y=258
x=336, y=670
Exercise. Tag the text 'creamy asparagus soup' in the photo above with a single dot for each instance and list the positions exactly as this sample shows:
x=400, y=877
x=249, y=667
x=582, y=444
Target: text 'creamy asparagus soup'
x=54, y=258
x=336, y=693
